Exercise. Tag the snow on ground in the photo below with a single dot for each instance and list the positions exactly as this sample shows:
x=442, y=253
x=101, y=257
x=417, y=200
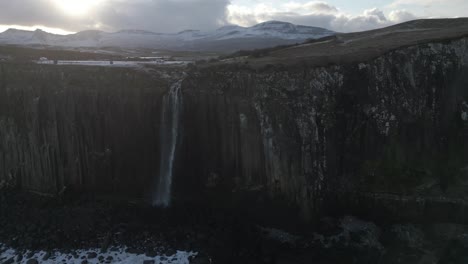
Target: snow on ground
x=145, y=39
x=119, y=256
x=113, y=64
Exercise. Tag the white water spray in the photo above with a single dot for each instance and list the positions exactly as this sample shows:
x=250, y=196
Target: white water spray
x=170, y=114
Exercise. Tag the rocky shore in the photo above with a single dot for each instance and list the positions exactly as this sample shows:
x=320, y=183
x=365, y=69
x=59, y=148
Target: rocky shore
x=35, y=229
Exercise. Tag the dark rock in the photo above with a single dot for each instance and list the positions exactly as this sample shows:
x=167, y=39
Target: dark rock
x=170, y=252
x=106, y=242
x=149, y=262
x=329, y=226
x=32, y=261
x=151, y=254
x=114, y=249
x=9, y=261
x=84, y=262
x=92, y=255
x=281, y=126
x=456, y=251
x=46, y=256
x=201, y=259
x=135, y=251
x=302, y=135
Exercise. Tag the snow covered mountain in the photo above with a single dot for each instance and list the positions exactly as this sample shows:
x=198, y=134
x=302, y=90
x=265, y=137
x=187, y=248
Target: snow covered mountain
x=227, y=38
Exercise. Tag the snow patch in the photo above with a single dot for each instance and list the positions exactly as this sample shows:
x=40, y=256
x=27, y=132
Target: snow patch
x=108, y=63
x=145, y=39
x=120, y=256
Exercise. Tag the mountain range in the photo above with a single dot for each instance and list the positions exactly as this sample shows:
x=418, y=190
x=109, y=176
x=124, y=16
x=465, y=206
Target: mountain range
x=225, y=39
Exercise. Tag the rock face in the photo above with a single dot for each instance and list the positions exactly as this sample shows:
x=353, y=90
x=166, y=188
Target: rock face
x=79, y=129
x=396, y=124
x=309, y=136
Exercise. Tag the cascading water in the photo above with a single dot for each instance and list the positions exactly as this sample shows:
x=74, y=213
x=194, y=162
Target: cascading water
x=171, y=108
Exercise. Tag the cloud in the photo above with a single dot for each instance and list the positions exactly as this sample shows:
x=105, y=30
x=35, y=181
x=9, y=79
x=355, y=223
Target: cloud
x=177, y=15
x=426, y=3
x=399, y=16
x=318, y=14
x=311, y=7
x=375, y=13
x=111, y=15
x=433, y=8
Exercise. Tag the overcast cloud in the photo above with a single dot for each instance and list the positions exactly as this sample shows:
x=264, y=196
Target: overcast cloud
x=111, y=15
x=177, y=15
x=318, y=14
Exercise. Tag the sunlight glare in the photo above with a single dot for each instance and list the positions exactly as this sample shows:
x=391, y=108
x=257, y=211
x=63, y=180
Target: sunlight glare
x=76, y=7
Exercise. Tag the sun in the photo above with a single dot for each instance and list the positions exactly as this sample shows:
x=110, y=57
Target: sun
x=76, y=7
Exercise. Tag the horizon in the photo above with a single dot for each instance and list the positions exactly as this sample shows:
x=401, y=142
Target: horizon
x=170, y=16
x=51, y=30
x=233, y=131
x=65, y=33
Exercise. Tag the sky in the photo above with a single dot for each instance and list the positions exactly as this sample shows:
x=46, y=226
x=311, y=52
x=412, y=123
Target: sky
x=166, y=16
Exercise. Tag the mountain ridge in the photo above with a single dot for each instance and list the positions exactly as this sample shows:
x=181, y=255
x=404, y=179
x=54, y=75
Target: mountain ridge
x=269, y=22
x=262, y=35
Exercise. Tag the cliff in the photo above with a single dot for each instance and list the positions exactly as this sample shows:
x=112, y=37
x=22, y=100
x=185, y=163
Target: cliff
x=371, y=135
x=79, y=128
x=393, y=125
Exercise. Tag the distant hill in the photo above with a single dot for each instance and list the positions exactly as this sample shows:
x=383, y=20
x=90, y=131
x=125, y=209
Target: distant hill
x=225, y=39
x=355, y=47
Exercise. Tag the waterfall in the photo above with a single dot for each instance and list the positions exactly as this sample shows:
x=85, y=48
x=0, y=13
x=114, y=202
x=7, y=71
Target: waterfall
x=169, y=130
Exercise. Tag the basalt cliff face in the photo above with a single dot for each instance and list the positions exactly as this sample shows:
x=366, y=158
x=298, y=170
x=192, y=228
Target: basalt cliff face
x=389, y=131
x=392, y=128
x=78, y=128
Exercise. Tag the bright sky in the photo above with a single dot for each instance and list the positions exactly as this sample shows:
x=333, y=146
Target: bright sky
x=433, y=8
x=65, y=16
x=352, y=7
